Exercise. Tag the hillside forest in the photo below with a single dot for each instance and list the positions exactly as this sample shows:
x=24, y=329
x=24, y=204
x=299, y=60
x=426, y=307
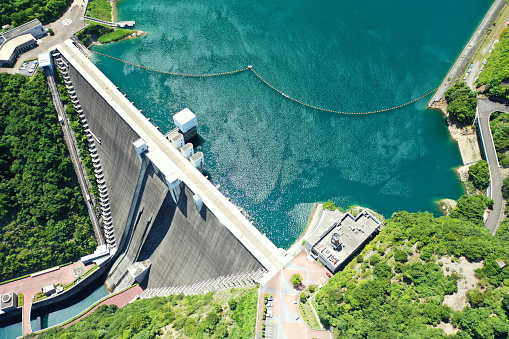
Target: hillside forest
x=43, y=219
x=18, y=12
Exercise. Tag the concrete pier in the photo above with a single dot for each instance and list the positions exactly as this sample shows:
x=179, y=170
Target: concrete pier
x=138, y=219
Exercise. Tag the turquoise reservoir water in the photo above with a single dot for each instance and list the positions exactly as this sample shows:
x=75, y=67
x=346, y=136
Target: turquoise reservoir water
x=57, y=316
x=11, y=331
x=273, y=157
x=88, y=298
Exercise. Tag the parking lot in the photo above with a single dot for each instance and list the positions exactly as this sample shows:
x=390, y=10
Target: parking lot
x=28, y=68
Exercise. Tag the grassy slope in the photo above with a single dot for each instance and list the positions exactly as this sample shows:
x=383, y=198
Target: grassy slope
x=99, y=9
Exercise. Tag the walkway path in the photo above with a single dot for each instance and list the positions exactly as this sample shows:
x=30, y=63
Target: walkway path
x=286, y=322
x=31, y=285
x=485, y=107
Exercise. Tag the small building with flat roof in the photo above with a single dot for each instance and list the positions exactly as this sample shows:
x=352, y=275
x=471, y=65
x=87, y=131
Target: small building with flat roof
x=12, y=48
x=45, y=60
x=8, y=302
x=339, y=236
x=19, y=39
x=186, y=122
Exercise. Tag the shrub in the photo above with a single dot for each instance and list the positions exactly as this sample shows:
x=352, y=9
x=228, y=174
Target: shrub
x=401, y=256
x=296, y=279
x=461, y=102
x=329, y=205
x=303, y=297
x=232, y=304
x=374, y=259
x=505, y=188
x=480, y=174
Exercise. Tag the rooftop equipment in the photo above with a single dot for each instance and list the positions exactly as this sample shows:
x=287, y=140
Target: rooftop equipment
x=335, y=242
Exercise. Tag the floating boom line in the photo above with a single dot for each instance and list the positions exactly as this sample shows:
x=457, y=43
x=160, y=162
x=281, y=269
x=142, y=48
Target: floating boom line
x=274, y=88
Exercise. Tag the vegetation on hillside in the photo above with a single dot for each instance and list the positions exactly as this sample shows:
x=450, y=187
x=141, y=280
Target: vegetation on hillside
x=90, y=33
x=480, y=174
x=102, y=33
x=18, y=12
x=79, y=134
x=229, y=314
x=499, y=125
x=505, y=188
x=99, y=9
x=461, y=103
x=401, y=293
x=116, y=35
x=495, y=74
x=43, y=221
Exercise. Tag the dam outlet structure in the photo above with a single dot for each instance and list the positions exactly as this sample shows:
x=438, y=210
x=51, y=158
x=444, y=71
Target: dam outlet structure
x=168, y=225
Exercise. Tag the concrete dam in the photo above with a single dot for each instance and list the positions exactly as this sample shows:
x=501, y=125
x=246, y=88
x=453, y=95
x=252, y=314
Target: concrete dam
x=165, y=223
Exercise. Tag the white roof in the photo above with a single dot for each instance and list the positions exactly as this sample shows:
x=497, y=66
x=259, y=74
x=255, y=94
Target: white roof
x=44, y=59
x=9, y=47
x=184, y=116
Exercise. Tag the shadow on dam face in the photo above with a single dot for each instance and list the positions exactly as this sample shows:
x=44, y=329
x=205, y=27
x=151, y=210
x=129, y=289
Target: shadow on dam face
x=185, y=245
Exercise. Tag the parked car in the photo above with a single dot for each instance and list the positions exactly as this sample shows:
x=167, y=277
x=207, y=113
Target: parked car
x=328, y=274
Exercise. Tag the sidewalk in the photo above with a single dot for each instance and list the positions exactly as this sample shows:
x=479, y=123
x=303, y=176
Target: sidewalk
x=286, y=322
x=31, y=285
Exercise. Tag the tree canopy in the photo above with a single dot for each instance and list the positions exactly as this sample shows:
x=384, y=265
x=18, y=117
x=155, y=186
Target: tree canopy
x=229, y=314
x=461, y=103
x=495, y=74
x=480, y=174
x=18, y=12
x=401, y=295
x=499, y=125
x=43, y=220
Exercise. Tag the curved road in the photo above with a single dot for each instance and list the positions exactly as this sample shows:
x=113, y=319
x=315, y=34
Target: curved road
x=484, y=109
x=468, y=53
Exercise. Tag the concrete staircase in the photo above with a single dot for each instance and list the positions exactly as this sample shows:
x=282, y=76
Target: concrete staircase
x=107, y=222
x=220, y=283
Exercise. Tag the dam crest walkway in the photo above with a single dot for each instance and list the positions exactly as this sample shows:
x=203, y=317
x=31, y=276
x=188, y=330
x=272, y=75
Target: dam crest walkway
x=169, y=161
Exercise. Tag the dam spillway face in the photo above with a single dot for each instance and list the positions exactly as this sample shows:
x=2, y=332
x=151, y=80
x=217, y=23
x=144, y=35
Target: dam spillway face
x=171, y=226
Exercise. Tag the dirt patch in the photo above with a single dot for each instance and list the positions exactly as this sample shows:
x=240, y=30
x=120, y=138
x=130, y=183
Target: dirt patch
x=465, y=136
x=467, y=281
x=447, y=205
x=448, y=328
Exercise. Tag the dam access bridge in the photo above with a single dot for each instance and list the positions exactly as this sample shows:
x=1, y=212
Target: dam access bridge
x=171, y=225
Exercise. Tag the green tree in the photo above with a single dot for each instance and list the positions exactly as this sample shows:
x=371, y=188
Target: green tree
x=296, y=279
x=401, y=256
x=480, y=174
x=461, y=103
x=505, y=188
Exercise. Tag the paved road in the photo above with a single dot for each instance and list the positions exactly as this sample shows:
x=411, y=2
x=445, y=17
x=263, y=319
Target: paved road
x=74, y=15
x=485, y=108
x=75, y=157
x=466, y=56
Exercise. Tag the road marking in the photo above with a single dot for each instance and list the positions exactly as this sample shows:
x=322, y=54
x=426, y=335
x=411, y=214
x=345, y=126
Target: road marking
x=66, y=22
